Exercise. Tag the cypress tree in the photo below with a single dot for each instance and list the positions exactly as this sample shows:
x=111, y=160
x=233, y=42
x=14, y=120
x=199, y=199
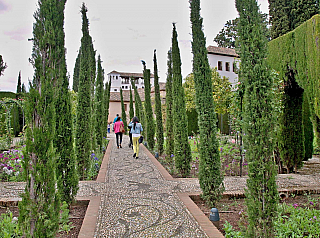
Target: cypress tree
x=182, y=151
x=19, y=89
x=169, y=104
x=107, y=100
x=131, y=110
x=123, y=115
x=139, y=107
x=98, y=105
x=76, y=70
x=23, y=88
x=210, y=178
x=258, y=120
x=63, y=140
x=84, y=118
x=150, y=127
x=158, y=112
x=3, y=65
x=40, y=205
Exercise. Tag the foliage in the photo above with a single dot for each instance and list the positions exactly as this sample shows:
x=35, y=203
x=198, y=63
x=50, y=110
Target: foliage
x=131, y=109
x=3, y=65
x=193, y=127
x=139, y=107
x=107, y=100
x=158, y=112
x=258, y=120
x=99, y=105
x=124, y=114
x=227, y=35
x=76, y=70
x=210, y=178
x=301, y=65
x=230, y=233
x=308, y=128
x=150, y=126
x=221, y=91
x=169, y=116
x=40, y=205
x=182, y=152
x=83, y=135
x=9, y=226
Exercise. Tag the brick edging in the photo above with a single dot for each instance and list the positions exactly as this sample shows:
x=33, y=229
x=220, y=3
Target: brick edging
x=104, y=166
x=204, y=222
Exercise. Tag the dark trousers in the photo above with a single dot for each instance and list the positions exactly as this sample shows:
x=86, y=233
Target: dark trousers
x=130, y=135
x=119, y=134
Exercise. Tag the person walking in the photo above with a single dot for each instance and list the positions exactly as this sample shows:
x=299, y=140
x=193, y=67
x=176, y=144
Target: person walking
x=118, y=127
x=136, y=129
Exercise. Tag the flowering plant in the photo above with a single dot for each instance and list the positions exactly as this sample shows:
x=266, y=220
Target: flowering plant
x=10, y=165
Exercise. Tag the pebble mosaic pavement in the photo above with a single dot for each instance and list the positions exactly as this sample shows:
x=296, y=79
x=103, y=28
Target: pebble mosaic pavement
x=136, y=200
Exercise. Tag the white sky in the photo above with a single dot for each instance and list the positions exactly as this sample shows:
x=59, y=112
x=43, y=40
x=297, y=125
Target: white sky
x=124, y=32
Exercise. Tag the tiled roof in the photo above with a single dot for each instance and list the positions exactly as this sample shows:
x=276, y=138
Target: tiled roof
x=124, y=74
x=162, y=87
x=221, y=51
x=115, y=96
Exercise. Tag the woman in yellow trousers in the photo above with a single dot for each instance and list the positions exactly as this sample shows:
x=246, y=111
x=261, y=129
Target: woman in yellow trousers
x=136, y=129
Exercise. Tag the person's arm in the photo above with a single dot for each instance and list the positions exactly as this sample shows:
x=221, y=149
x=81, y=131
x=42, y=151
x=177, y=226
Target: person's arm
x=141, y=128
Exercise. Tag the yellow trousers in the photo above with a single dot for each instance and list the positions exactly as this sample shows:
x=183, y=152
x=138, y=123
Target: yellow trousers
x=135, y=141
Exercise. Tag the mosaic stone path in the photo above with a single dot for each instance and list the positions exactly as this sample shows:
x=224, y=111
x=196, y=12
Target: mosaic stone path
x=139, y=202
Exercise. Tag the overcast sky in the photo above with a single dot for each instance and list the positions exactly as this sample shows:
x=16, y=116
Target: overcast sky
x=124, y=32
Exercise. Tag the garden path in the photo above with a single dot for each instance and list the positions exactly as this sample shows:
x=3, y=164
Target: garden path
x=137, y=198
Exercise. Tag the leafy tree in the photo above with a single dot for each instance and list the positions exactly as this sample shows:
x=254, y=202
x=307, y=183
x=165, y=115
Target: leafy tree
x=258, y=121
x=3, y=65
x=124, y=114
x=40, y=205
x=131, y=110
x=182, y=151
x=169, y=103
x=98, y=105
x=227, y=35
x=158, y=112
x=84, y=109
x=76, y=71
x=150, y=127
x=210, y=177
x=19, y=89
x=221, y=92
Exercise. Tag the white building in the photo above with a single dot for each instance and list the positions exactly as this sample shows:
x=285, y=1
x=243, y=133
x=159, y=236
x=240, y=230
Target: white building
x=225, y=60
x=123, y=80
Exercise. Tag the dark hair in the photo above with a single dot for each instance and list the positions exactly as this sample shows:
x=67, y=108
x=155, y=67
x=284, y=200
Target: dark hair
x=135, y=120
x=118, y=119
x=117, y=115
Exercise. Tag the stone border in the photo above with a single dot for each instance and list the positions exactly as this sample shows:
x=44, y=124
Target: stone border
x=201, y=218
x=104, y=165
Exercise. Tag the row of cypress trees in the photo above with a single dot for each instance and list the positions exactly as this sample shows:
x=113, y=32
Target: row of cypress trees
x=50, y=161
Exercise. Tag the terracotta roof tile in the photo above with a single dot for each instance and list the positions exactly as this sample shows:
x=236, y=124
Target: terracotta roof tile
x=162, y=87
x=115, y=96
x=221, y=51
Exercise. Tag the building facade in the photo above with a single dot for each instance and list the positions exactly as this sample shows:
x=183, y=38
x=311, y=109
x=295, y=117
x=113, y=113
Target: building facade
x=123, y=80
x=225, y=60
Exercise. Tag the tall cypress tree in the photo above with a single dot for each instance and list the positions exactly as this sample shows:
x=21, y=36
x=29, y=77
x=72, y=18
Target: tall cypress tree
x=131, y=109
x=158, y=109
x=150, y=127
x=40, y=206
x=76, y=70
x=19, y=89
x=139, y=107
x=23, y=88
x=169, y=104
x=98, y=105
x=107, y=100
x=84, y=118
x=210, y=178
x=259, y=121
x=182, y=151
x=123, y=114
x=63, y=140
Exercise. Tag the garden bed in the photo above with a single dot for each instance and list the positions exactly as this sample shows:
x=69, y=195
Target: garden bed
x=76, y=215
x=233, y=210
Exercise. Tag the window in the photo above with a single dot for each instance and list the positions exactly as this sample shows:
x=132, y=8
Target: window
x=227, y=66
x=115, y=90
x=116, y=77
x=219, y=65
x=122, y=87
x=126, y=87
